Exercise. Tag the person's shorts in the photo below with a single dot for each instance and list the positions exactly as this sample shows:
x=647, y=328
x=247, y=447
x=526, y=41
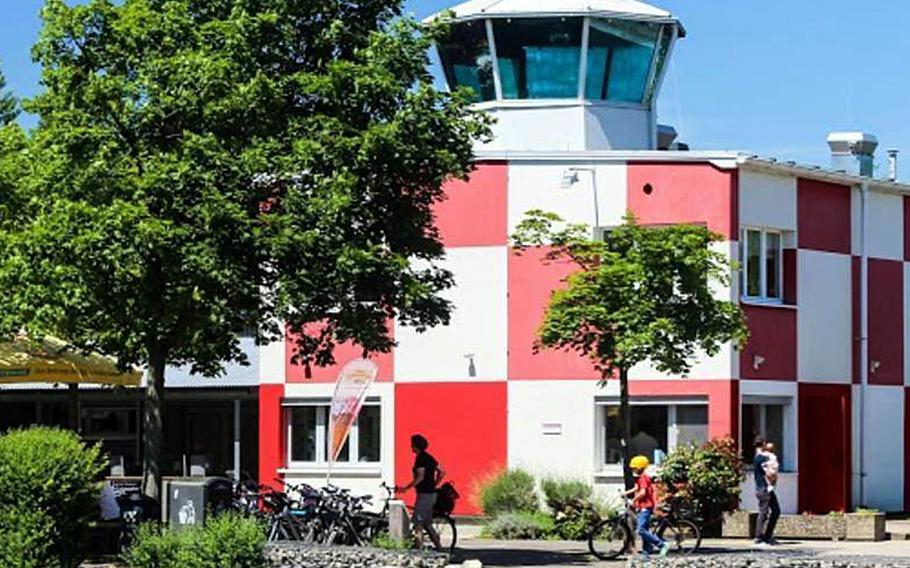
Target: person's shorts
x=423, y=508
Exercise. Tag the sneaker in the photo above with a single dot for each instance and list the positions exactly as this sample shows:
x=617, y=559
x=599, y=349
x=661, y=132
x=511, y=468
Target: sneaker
x=772, y=542
x=664, y=550
x=758, y=542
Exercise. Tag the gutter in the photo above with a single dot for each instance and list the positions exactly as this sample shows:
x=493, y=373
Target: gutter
x=863, y=338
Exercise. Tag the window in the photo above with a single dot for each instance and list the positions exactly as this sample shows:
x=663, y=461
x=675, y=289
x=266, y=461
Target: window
x=109, y=423
x=538, y=58
x=657, y=429
x=767, y=421
x=466, y=59
x=308, y=436
x=619, y=59
x=762, y=264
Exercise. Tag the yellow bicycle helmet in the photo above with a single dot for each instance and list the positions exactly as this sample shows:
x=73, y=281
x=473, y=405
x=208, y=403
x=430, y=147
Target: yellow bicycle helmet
x=639, y=462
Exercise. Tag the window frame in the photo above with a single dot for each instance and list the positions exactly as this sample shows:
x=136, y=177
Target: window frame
x=762, y=297
x=787, y=446
x=602, y=468
x=322, y=419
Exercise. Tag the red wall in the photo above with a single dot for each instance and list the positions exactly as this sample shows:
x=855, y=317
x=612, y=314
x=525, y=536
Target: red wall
x=906, y=229
x=886, y=321
x=466, y=426
x=344, y=352
x=474, y=212
x=723, y=400
x=906, y=449
x=772, y=334
x=790, y=276
x=271, y=434
x=824, y=447
x=531, y=283
x=823, y=216
x=684, y=193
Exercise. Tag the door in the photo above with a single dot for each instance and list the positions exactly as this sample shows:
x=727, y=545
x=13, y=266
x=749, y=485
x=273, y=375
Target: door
x=824, y=448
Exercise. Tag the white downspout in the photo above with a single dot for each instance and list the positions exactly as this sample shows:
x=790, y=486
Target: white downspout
x=864, y=338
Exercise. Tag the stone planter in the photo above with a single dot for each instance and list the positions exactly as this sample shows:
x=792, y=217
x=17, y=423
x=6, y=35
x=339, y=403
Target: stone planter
x=866, y=526
x=832, y=526
x=739, y=524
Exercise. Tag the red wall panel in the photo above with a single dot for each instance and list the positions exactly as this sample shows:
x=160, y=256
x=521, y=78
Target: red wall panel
x=271, y=434
x=684, y=193
x=296, y=373
x=790, y=276
x=825, y=450
x=466, y=426
x=531, y=282
x=906, y=449
x=723, y=400
x=474, y=212
x=906, y=228
x=772, y=335
x=886, y=321
x=823, y=216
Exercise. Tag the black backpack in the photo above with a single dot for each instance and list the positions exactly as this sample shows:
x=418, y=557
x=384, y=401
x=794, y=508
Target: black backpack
x=446, y=496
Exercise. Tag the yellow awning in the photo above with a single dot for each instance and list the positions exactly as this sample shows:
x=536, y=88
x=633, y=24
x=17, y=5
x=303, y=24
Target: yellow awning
x=49, y=361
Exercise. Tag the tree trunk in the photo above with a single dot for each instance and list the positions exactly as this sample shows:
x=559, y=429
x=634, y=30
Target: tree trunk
x=152, y=427
x=625, y=417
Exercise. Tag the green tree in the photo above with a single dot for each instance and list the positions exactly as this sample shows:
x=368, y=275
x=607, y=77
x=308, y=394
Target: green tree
x=206, y=167
x=9, y=106
x=639, y=294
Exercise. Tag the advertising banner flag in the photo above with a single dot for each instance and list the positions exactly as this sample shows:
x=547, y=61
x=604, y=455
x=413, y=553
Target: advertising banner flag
x=350, y=389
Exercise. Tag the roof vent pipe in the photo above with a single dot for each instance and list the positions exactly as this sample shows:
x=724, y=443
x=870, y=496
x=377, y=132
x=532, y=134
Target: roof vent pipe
x=853, y=152
x=892, y=164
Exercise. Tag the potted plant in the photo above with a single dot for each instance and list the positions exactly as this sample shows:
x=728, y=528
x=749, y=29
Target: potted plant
x=866, y=524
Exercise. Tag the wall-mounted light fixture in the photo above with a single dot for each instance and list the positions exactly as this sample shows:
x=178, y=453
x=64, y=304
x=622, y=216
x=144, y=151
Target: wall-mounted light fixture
x=472, y=369
x=757, y=361
x=874, y=365
x=570, y=177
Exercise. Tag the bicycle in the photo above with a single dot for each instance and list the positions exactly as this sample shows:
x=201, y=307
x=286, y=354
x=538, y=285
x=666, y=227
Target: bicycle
x=443, y=522
x=615, y=535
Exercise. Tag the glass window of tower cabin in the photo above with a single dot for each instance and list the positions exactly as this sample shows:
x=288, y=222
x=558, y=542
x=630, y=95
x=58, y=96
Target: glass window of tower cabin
x=620, y=54
x=538, y=57
x=466, y=59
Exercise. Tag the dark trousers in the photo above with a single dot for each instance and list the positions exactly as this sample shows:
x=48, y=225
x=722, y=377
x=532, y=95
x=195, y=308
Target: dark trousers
x=768, y=513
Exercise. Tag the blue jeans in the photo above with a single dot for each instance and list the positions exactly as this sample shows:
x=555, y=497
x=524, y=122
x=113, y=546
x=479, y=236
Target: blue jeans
x=649, y=540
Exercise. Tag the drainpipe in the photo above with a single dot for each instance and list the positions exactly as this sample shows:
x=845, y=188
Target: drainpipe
x=863, y=339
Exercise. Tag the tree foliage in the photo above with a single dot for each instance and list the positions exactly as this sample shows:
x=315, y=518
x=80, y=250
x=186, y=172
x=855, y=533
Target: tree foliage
x=206, y=167
x=9, y=106
x=640, y=293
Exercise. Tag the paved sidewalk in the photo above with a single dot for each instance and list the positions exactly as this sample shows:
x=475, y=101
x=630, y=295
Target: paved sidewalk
x=554, y=554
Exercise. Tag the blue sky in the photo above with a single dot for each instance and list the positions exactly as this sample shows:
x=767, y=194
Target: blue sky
x=771, y=77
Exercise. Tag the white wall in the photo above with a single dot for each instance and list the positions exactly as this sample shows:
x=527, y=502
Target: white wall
x=884, y=447
x=787, y=490
x=886, y=226
x=551, y=427
x=538, y=186
x=824, y=328
x=272, y=362
x=907, y=325
x=767, y=201
x=612, y=128
x=478, y=323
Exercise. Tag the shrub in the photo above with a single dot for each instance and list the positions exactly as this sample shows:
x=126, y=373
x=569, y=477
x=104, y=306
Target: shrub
x=24, y=538
x=572, y=506
x=226, y=540
x=703, y=480
x=521, y=525
x=511, y=491
x=51, y=472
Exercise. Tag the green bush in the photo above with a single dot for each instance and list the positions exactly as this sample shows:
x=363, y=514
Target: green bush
x=703, y=481
x=572, y=506
x=226, y=541
x=48, y=493
x=520, y=526
x=511, y=491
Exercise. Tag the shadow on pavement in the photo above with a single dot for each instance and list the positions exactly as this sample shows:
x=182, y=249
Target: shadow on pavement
x=516, y=557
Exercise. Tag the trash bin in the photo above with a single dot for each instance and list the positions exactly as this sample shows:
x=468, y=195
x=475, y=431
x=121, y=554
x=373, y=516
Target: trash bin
x=189, y=501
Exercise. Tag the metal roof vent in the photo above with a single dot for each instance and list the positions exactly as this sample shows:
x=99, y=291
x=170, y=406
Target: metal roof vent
x=853, y=152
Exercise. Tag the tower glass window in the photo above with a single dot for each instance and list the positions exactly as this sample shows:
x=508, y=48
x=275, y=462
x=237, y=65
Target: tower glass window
x=466, y=59
x=620, y=55
x=538, y=58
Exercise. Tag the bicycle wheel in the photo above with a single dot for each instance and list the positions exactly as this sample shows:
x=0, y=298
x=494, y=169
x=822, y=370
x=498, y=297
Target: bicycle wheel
x=448, y=534
x=609, y=538
x=682, y=535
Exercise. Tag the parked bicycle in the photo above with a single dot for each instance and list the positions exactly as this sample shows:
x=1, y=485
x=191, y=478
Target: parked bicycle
x=615, y=535
x=442, y=518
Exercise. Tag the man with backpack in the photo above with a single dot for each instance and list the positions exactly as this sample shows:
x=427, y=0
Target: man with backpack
x=427, y=474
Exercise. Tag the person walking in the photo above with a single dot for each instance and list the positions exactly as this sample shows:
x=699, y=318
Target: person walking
x=768, y=506
x=426, y=477
x=645, y=503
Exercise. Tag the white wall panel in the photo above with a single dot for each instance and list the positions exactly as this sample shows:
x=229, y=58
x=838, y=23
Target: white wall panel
x=767, y=201
x=886, y=226
x=552, y=127
x=884, y=448
x=538, y=186
x=478, y=324
x=787, y=490
x=552, y=427
x=824, y=327
x=907, y=324
x=272, y=362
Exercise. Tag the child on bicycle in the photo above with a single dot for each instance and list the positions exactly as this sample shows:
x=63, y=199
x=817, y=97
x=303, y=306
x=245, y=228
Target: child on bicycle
x=645, y=502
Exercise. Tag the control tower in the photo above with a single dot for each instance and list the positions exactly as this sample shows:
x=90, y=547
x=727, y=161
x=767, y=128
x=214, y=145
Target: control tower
x=563, y=74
